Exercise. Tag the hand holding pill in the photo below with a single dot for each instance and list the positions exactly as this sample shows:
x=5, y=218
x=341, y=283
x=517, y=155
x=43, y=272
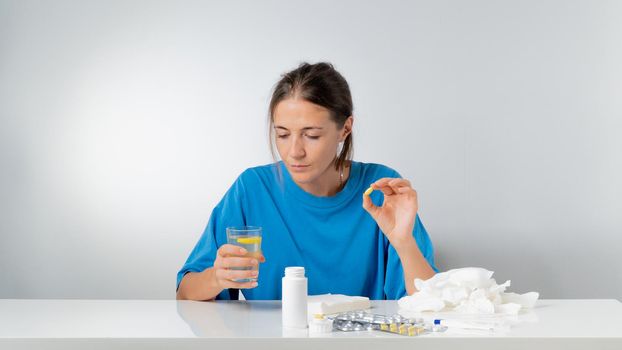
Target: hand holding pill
x=396, y=216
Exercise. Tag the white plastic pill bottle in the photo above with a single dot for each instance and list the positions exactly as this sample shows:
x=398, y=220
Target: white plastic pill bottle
x=294, y=292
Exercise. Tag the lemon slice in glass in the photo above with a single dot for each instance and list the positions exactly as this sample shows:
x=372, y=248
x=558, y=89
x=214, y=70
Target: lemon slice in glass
x=249, y=240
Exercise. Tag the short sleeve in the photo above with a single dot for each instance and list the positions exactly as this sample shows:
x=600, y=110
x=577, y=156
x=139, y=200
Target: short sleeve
x=394, y=287
x=229, y=212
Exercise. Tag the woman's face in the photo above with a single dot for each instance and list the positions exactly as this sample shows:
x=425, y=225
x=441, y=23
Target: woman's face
x=307, y=139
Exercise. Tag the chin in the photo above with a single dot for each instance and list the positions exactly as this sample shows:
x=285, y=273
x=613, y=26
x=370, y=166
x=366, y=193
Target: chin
x=302, y=178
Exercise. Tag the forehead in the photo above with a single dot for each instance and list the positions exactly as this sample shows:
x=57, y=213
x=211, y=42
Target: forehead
x=298, y=113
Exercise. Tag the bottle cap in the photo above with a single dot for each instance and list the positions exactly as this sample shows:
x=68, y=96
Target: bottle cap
x=295, y=271
x=322, y=325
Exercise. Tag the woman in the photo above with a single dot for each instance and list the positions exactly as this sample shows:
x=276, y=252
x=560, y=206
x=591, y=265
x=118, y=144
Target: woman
x=310, y=206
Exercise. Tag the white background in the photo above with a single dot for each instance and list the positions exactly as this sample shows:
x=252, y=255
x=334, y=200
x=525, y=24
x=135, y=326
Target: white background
x=124, y=122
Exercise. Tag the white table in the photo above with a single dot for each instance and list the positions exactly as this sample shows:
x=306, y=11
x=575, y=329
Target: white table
x=165, y=324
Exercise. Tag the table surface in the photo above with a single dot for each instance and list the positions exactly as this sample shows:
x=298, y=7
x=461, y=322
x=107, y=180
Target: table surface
x=21, y=319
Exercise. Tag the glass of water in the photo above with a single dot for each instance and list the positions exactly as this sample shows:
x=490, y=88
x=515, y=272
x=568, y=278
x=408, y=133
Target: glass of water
x=249, y=238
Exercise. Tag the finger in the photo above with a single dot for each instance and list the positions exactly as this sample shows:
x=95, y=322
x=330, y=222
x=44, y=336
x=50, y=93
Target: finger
x=233, y=275
x=230, y=249
x=369, y=206
x=382, y=182
x=386, y=185
x=230, y=262
x=262, y=258
x=386, y=189
x=404, y=190
x=238, y=285
x=390, y=186
x=396, y=184
x=399, y=183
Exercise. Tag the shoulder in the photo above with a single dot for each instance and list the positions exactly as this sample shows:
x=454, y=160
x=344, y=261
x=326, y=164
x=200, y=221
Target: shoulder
x=251, y=182
x=261, y=175
x=266, y=170
x=376, y=171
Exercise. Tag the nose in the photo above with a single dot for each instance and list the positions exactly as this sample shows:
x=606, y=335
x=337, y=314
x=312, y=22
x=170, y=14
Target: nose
x=297, y=150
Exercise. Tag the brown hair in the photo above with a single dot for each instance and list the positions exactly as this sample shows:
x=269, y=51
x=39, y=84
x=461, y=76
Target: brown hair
x=322, y=85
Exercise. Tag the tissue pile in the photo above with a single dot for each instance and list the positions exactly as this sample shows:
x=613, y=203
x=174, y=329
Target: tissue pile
x=468, y=290
x=333, y=303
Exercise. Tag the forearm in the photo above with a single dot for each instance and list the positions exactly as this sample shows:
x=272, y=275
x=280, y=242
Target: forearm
x=199, y=286
x=414, y=264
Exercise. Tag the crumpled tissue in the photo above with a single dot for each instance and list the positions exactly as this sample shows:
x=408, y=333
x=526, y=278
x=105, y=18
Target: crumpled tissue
x=334, y=303
x=468, y=290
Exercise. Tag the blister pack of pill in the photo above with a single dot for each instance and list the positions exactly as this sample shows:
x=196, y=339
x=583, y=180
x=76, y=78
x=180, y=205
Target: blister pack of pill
x=361, y=321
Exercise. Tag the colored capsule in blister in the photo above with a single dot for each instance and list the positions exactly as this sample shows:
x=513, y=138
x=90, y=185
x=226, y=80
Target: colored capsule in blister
x=393, y=327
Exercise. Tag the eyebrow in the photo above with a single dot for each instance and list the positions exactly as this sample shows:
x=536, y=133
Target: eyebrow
x=305, y=128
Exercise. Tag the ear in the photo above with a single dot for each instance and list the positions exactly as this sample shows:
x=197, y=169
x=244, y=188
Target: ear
x=347, y=128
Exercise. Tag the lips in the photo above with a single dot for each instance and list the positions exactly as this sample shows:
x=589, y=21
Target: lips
x=299, y=167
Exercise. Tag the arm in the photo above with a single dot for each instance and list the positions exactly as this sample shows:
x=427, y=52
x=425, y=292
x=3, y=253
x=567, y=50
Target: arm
x=199, y=286
x=414, y=264
x=398, y=220
x=200, y=278
x=206, y=285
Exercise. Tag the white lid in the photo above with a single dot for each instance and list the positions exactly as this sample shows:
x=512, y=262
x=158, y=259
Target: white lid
x=321, y=326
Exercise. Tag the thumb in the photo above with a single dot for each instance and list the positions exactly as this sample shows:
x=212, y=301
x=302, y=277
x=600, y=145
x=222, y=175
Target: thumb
x=369, y=206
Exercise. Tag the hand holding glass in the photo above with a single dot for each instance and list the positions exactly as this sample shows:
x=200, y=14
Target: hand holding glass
x=249, y=238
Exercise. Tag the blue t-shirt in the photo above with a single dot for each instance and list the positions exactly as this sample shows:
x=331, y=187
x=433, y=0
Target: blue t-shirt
x=340, y=245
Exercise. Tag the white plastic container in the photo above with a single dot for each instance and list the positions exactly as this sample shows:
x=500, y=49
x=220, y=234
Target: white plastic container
x=294, y=295
x=320, y=324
